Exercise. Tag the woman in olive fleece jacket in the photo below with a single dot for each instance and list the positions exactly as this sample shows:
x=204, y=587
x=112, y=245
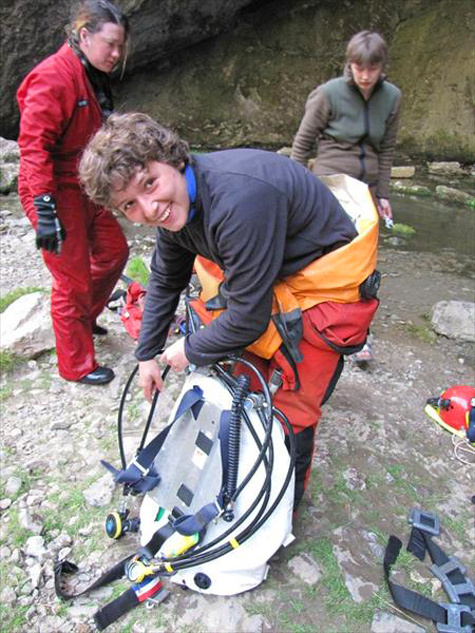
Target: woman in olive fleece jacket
x=353, y=123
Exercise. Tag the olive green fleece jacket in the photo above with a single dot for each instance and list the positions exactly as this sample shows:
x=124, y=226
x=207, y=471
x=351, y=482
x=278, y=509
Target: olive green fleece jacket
x=353, y=136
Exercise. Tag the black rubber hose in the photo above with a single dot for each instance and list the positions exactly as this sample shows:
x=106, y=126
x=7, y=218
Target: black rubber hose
x=240, y=394
x=120, y=414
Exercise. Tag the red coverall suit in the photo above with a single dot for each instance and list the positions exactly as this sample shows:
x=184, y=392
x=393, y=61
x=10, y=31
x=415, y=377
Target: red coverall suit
x=59, y=113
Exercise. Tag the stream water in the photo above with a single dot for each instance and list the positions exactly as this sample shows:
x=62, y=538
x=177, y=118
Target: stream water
x=440, y=227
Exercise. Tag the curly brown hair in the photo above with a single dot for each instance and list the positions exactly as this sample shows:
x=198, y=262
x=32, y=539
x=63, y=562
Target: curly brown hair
x=123, y=144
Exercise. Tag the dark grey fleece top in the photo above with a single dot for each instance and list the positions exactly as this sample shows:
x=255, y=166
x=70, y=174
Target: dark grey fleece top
x=260, y=217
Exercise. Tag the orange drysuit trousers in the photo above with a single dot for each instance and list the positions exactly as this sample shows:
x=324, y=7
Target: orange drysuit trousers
x=329, y=330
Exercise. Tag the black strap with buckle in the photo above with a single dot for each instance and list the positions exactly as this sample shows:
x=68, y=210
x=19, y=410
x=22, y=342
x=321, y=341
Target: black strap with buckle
x=457, y=616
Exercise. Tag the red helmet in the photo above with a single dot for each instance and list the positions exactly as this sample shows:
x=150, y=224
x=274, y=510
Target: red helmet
x=455, y=410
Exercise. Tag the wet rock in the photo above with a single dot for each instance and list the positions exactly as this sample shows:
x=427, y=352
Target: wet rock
x=454, y=319
x=402, y=171
x=410, y=190
x=388, y=623
x=99, y=494
x=26, y=326
x=306, y=569
x=445, y=168
x=454, y=195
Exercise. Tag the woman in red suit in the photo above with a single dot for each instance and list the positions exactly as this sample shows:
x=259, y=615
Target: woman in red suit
x=62, y=103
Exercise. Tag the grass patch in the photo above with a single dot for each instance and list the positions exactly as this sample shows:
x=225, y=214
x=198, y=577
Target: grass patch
x=422, y=332
x=458, y=526
x=13, y=295
x=403, y=229
x=8, y=362
x=14, y=618
x=72, y=505
x=400, y=483
x=5, y=392
x=137, y=269
x=16, y=534
x=338, y=599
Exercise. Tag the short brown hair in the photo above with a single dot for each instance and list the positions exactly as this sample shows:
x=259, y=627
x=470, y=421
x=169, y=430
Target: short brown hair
x=123, y=144
x=367, y=47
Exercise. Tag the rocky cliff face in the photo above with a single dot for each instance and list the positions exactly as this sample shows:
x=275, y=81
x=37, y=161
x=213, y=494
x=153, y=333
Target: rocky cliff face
x=248, y=85
x=31, y=31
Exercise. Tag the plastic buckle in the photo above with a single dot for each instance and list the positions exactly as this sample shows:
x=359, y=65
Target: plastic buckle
x=454, y=619
x=157, y=599
x=144, y=471
x=455, y=592
x=424, y=521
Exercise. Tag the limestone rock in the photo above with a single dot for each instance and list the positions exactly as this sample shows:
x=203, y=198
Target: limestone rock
x=225, y=614
x=13, y=485
x=389, y=623
x=159, y=30
x=99, y=494
x=352, y=551
x=451, y=194
x=9, y=165
x=306, y=569
x=26, y=326
x=411, y=190
x=454, y=319
x=35, y=547
x=446, y=168
x=402, y=171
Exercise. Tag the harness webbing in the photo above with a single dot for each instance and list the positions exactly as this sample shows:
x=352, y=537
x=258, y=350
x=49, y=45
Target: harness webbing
x=458, y=616
x=141, y=475
x=117, y=608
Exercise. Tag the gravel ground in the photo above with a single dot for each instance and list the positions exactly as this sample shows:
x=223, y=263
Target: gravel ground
x=377, y=456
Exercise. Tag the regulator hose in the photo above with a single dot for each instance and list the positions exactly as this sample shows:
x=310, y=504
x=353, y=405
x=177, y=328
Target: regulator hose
x=240, y=395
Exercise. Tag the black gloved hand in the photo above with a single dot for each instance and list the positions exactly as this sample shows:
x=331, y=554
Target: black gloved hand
x=50, y=233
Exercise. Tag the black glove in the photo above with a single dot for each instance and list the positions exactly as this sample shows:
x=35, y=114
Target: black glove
x=50, y=234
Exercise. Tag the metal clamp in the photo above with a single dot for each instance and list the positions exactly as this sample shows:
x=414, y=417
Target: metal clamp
x=424, y=521
x=454, y=619
x=455, y=592
x=157, y=599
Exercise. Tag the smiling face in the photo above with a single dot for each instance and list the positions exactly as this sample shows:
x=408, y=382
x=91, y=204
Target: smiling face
x=156, y=196
x=366, y=76
x=105, y=48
